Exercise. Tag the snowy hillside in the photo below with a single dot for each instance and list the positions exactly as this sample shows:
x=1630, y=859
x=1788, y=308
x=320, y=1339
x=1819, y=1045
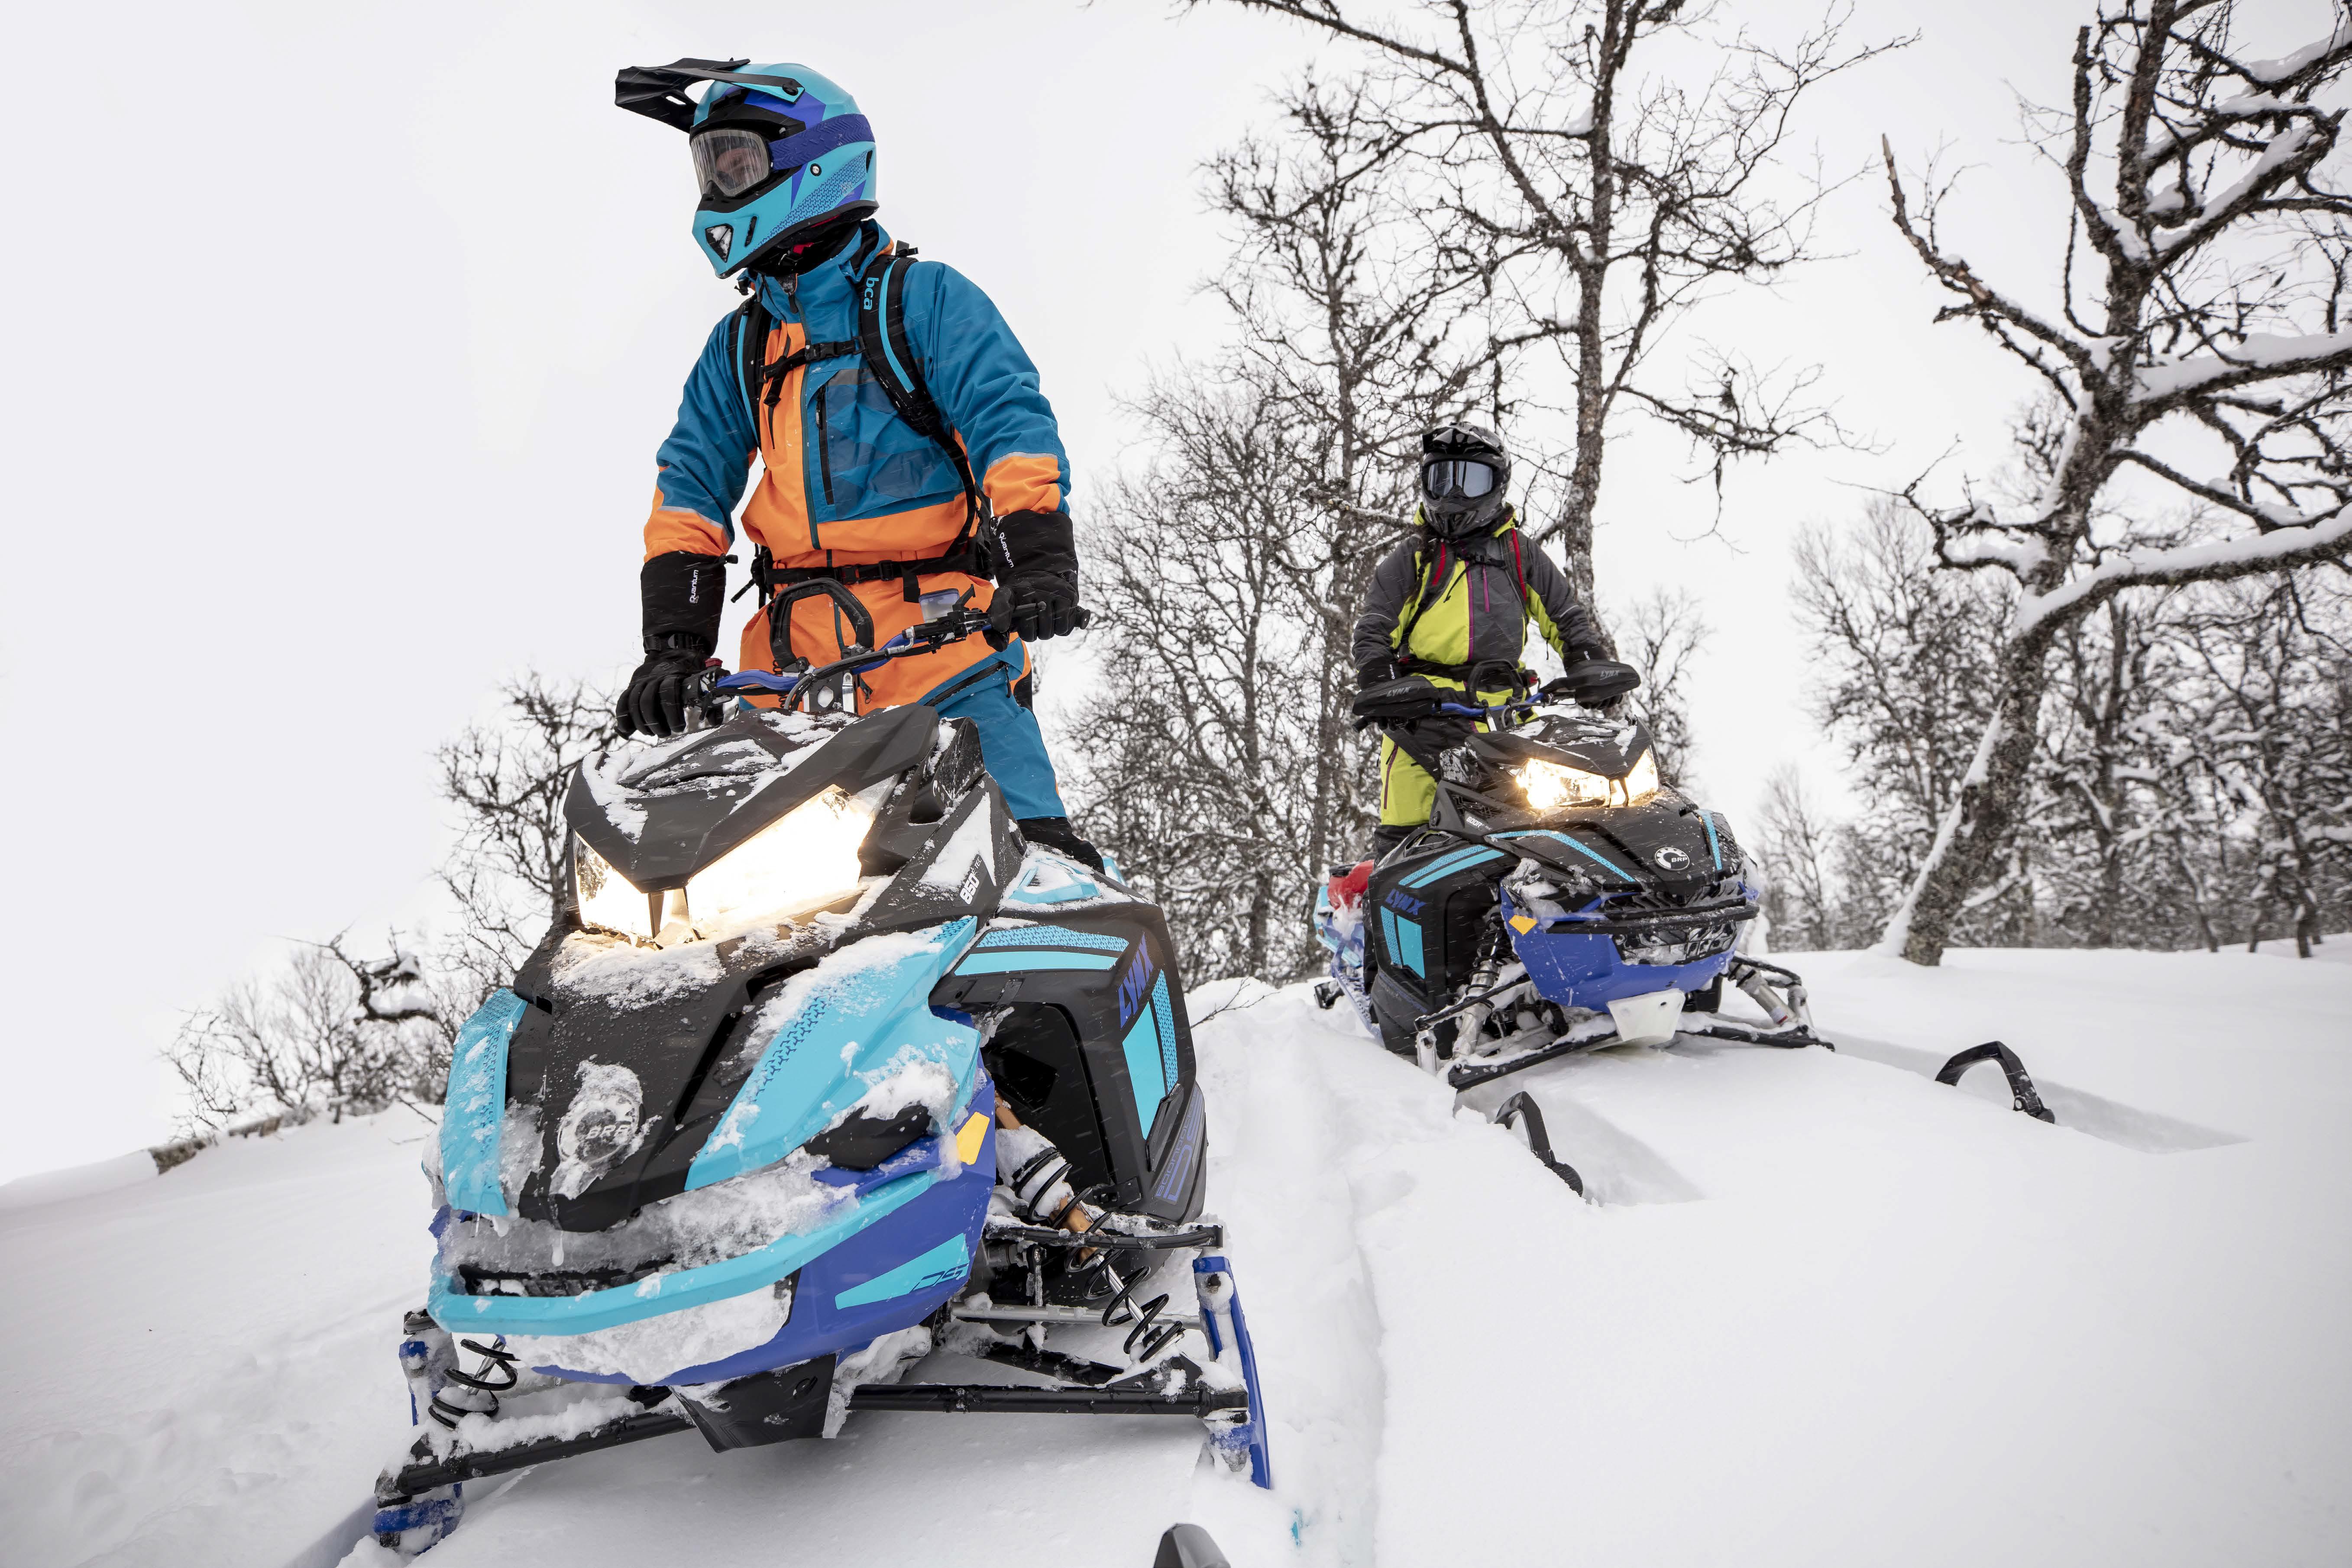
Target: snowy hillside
x=1824, y=1312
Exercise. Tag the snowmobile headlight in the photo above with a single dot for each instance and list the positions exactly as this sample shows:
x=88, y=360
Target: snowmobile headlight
x=1549, y=785
x=803, y=859
x=608, y=900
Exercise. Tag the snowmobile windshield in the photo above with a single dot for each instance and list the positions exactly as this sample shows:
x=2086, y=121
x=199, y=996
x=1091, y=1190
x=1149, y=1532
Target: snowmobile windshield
x=729, y=162
x=1466, y=477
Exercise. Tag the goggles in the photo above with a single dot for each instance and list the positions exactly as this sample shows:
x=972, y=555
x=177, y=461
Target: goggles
x=1463, y=477
x=729, y=162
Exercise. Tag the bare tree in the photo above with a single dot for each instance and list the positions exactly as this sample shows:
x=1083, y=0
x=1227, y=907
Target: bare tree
x=1221, y=763
x=1347, y=341
x=507, y=779
x=333, y=1031
x=1590, y=191
x=2205, y=272
x=1663, y=631
x=2266, y=725
x=1901, y=659
x=1201, y=739
x=1795, y=843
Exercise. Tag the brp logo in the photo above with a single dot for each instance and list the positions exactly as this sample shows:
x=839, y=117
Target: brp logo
x=1671, y=859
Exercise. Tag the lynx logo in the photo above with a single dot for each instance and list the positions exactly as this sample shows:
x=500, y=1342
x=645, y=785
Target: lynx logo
x=1399, y=899
x=721, y=236
x=1671, y=859
x=1133, y=985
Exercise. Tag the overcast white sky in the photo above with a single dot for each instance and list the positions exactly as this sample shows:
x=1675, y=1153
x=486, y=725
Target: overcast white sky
x=339, y=339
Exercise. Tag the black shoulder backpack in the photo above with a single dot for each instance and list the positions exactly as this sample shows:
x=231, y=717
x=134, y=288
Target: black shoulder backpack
x=890, y=358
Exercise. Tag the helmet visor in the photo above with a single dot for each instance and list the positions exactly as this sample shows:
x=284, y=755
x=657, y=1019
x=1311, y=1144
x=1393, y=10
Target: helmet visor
x=1462, y=478
x=729, y=162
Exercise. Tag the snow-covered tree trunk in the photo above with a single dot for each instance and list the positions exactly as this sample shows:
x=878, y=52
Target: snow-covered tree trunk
x=2219, y=289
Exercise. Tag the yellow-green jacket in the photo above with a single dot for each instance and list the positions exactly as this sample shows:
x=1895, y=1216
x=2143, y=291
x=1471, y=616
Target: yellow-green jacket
x=1440, y=606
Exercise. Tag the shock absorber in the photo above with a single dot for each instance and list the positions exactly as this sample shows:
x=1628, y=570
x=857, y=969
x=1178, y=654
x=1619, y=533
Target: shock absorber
x=476, y=1393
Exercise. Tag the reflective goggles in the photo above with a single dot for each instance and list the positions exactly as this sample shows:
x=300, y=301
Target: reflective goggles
x=1463, y=477
x=729, y=162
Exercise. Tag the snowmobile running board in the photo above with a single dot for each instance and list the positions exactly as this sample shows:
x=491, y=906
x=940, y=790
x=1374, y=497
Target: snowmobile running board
x=951, y=1398
x=1471, y=1074
x=2022, y=1095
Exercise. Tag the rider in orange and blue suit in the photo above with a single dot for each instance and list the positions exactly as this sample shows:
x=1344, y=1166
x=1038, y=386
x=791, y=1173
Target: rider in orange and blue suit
x=848, y=490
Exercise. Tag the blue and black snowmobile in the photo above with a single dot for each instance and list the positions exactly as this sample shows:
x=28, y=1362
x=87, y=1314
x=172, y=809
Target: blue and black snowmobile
x=823, y=1073
x=1562, y=898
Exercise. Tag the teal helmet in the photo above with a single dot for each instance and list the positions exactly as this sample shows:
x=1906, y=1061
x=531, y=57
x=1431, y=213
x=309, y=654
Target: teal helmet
x=780, y=152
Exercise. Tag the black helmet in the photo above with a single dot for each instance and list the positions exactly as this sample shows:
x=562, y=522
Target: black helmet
x=1463, y=473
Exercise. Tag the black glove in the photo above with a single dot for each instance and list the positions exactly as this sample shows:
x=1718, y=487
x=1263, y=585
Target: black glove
x=1039, y=596
x=683, y=595
x=1375, y=672
x=1399, y=700
x=1593, y=681
x=655, y=701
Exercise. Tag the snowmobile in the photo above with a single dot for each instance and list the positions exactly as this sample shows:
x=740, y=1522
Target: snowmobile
x=822, y=1070
x=1562, y=898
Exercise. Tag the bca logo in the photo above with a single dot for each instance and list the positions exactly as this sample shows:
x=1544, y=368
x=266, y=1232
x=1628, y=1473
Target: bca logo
x=1671, y=859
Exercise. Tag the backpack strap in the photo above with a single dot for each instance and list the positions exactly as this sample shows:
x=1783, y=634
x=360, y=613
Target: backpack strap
x=891, y=359
x=1421, y=594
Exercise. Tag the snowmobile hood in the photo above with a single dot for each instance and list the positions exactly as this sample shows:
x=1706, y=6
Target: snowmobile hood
x=659, y=815
x=1560, y=735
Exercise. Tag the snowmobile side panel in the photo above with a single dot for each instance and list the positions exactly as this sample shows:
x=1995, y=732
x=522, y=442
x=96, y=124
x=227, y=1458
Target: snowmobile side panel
x=857, y=1017
x=1098, y=1057
x=474, y=1111
x=1432, y=908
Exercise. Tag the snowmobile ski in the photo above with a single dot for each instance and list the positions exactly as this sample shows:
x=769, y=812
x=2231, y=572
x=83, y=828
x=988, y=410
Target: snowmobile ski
x=1523, y=1118
x=2022, y=1095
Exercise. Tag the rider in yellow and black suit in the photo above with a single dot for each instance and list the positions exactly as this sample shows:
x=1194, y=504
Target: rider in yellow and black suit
x=1452, y=600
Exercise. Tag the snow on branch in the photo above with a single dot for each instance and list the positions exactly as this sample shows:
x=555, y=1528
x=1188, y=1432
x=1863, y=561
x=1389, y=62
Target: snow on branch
x=2280, y=550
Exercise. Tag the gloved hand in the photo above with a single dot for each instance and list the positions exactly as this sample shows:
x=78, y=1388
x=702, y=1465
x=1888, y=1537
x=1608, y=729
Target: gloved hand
x=1399, y=700
x=1039, y=597
x=1593, y=681
x=654, y=702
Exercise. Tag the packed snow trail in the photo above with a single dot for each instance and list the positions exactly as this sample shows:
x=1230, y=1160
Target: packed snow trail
x=1826, y=1311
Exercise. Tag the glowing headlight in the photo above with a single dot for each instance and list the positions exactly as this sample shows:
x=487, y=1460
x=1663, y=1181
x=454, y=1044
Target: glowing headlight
x=607, y=899
x=1548, y=785
x=802, y=860
x=805, y=858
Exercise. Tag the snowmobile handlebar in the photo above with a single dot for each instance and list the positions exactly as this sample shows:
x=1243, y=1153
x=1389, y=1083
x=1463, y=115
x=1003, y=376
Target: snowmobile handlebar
x=924, y=636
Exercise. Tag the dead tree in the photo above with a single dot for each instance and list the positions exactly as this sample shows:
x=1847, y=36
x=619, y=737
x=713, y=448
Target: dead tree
x=2197, y=341
x=506, y=871
x=1590, y=202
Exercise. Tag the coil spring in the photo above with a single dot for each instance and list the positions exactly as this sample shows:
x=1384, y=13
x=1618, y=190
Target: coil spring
x=1155, y=1335
x=1122, y=1310
x=496, y=1360
x=1030, y=1168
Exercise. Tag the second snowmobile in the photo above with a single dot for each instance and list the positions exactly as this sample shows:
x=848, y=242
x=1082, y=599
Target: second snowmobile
x=1561, y=898
x=822, y=1070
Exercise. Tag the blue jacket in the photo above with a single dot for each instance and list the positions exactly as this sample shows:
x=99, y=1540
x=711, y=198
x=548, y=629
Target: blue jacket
x=845, y=480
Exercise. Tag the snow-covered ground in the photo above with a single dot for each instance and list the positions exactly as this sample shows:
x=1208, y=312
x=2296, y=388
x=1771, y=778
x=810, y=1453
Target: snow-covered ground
x=1825, y=1311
